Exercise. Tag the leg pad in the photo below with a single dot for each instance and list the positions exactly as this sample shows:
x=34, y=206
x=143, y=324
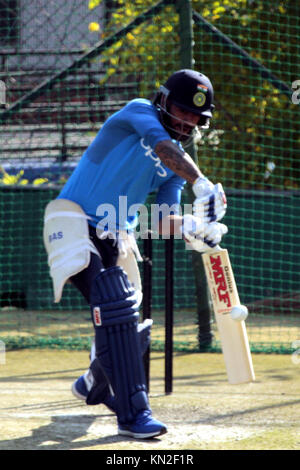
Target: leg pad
x=115, y=319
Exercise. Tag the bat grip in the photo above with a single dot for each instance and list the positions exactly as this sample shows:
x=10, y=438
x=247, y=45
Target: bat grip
x=213, y=249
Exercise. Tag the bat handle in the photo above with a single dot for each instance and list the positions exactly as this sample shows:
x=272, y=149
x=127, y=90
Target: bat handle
x=214, y=248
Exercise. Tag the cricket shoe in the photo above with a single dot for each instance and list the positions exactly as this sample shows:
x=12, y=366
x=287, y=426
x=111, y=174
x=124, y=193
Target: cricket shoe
x=80, y=389
x=144, y=426
x=82, y=386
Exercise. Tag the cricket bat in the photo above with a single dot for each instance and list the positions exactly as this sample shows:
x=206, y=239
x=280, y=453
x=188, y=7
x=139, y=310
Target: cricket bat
x=233, y=334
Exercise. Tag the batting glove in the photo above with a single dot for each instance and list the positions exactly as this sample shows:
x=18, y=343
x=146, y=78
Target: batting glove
x=212, y=206
x=201, y=236
x=213, y=233
x=202, y=187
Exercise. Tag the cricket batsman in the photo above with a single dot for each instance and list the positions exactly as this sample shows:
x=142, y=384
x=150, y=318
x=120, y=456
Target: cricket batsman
x=90, y=239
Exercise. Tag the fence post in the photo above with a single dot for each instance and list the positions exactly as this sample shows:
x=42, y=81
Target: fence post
x=2, y=353
x=2, y=94
x=169, y=313
x=184, y=8
x=147, y=297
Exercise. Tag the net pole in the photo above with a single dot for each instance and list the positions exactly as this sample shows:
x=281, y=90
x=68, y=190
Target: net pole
x=147, y=297
x=204, y=312
x=169, y=314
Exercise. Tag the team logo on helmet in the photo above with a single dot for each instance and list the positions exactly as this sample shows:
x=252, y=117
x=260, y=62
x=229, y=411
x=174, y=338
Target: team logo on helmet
x=199, y=99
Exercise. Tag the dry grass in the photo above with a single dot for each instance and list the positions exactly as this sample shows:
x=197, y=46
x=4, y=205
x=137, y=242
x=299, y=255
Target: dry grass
x=38, y=411
x=266, y=332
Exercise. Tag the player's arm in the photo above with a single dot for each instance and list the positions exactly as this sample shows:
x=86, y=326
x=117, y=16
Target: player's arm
x=178, y=161
x=139, y=117
x=210, y=203
x=195, y=230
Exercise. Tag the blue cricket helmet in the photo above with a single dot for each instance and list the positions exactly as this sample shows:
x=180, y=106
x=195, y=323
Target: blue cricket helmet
x=190, y=90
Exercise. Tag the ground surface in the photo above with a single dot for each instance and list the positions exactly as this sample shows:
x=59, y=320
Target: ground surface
x=38, y=411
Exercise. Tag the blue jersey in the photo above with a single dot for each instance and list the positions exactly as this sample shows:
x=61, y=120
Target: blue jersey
x=120, y=169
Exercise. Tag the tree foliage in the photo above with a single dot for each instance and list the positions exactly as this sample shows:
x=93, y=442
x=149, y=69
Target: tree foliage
x=255, y=132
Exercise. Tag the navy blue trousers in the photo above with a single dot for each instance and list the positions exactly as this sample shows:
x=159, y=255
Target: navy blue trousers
x=108, y=251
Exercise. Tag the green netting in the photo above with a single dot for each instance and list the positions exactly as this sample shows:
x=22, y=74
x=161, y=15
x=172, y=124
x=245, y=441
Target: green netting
x=65, y=67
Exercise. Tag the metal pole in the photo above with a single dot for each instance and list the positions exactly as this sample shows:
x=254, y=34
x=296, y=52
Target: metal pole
x=185, y=11
x=147, y=297
x=184, y=8
x=169, y=314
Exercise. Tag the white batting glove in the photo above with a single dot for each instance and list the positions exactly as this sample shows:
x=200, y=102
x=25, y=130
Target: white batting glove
x=213, y=233
x=212, y=206
x=193, y=232
x=201, y=236
x=192, y=227
x=202, y=187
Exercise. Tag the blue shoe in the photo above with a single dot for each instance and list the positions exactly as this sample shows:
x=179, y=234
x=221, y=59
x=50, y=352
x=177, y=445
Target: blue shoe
x=143, y=427
x=79, y=388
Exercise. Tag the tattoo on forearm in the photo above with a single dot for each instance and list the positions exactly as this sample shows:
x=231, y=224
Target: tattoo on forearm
x=179, y=162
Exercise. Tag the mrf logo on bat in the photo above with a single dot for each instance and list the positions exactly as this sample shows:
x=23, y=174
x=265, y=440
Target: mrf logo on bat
x=222, y=281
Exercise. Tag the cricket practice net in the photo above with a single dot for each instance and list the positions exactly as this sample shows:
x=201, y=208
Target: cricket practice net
x=65, y=67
